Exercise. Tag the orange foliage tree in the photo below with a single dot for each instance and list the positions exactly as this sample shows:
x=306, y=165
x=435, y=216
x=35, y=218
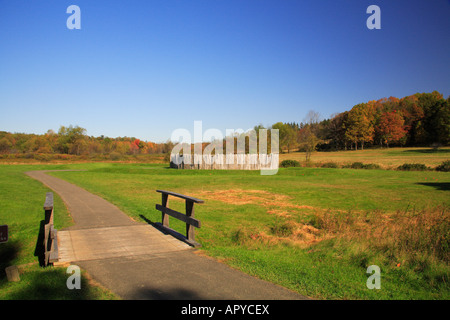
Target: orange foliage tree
x=391, y=127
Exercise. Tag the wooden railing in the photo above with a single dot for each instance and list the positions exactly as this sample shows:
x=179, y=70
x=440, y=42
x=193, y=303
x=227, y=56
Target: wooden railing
x=188, y=218
x=50, y=233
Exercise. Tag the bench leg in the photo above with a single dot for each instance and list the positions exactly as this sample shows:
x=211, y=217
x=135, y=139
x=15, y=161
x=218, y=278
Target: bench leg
x=190, y=230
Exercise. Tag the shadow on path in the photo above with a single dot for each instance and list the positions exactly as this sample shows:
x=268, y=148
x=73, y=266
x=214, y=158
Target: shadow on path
x=153, y=293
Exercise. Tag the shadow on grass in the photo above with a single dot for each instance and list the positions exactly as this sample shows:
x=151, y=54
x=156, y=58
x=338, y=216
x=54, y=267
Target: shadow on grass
x=50, y=284
x=150, y=222
x=429, y=151
x=8, y=253
x=443, y=186
x=39, y=248
x=36, y=282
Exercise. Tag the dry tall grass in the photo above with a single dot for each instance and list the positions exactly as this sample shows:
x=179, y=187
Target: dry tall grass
x=403, y=235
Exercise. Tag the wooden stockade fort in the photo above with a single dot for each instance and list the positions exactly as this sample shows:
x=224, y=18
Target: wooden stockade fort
x=225, y=161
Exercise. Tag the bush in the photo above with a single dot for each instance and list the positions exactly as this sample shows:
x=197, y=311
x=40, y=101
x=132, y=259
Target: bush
x=371, y=166
x=42, y=157
x=357, y=165
x=360, y=165
x=289, y=163
x=444, y=166
x=413, y=167
x=329, y=165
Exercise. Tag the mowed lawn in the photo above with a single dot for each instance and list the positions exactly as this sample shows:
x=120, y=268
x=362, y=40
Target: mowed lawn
x=312, y=230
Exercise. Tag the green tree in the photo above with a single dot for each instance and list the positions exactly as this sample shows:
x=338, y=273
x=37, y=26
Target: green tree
x=287, y=135
x=308, y=141
x=71, y=139
x=434, y=107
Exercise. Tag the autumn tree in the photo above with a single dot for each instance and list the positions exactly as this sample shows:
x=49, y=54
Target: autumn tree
x=359, y=125
x=6, y=143
x=413, y=115
x=390, y=128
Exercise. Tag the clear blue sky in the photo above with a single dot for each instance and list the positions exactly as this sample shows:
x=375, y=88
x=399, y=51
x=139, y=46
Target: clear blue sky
x=145, y=68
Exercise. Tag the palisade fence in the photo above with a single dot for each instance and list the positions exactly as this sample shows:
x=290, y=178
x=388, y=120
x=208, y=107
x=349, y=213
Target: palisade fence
x=225, y=161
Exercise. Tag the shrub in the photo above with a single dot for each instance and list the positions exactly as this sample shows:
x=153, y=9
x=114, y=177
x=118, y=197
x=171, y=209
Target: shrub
x=42, y=157
x=413, y=167
x=371, y=166
x=444, y=166
x=360, y=165
x=329, y=165
x=289, y=163
x=357, y=165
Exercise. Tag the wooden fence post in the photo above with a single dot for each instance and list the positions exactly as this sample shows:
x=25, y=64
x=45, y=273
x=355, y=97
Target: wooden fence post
x=165, y=203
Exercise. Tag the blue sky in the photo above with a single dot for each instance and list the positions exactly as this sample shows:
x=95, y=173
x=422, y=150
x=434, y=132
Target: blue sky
x=145, y=68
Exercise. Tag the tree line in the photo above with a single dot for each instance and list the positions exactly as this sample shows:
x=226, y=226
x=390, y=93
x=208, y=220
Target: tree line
x=74, y=141
x=422, y=119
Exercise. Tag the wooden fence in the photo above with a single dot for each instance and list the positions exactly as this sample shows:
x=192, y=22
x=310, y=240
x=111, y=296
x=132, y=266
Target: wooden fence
x=50, y=233
x=188, y=218
x=225, y=161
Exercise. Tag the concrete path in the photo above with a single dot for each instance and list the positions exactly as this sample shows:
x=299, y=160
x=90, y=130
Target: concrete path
x=137, y=261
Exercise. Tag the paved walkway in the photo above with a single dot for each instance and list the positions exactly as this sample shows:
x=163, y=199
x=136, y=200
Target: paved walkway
x=137, y=261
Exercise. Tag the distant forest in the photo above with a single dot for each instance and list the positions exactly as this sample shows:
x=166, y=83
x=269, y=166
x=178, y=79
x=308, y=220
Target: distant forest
x=422, y=119
x=72, y=140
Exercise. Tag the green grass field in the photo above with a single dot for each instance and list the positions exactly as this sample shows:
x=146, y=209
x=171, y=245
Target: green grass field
x=312, y=230
x=21, y=208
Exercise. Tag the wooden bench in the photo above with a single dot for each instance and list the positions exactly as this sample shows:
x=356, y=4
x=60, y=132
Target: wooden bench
x=188, y=218
x=50, y=233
